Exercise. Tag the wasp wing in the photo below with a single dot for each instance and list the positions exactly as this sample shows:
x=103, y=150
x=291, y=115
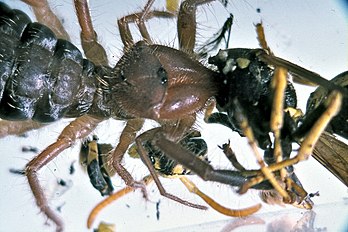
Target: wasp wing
x=333, y=155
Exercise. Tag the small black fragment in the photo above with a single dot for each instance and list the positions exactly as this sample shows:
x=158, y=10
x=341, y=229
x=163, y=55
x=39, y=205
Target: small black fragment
x=62, y=182
x=157, y=210
x=30, y=149
x=72, y=168
x=314, y=194
x=17, y=171
x=59, y=208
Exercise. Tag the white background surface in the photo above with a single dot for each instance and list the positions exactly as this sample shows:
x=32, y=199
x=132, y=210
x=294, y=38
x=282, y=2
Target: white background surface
x=312, y=34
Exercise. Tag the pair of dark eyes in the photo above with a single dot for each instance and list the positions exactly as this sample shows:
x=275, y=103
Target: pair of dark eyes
x=161, y=73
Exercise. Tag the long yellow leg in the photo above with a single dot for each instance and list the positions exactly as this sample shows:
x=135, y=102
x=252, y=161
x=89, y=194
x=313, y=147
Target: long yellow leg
x=247, y=131
x=113, y=197
x=333, y=107
x=221, y=209
x=279, y=83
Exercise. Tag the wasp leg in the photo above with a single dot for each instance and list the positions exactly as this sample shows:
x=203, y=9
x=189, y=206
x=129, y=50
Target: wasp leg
x=247, y=131
x=231, y=156
x=329, y=151
x=299, y=197
x=45, y=16
x=18, y=127
x=93, y=50
x=113, y=197
x=333, y=105
x=261, y=37
x=77, y=129
x=172, y=5
x=221, y=209
x=279, y=83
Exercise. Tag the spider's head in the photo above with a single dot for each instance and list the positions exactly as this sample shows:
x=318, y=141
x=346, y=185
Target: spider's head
x=141, y=83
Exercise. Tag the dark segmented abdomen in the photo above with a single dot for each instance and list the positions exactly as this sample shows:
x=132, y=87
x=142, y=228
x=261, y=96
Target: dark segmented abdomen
x=42, y=78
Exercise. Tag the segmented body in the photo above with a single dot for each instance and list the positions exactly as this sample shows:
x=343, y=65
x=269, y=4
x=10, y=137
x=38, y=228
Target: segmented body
x=42, y=78
x=46, y=78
